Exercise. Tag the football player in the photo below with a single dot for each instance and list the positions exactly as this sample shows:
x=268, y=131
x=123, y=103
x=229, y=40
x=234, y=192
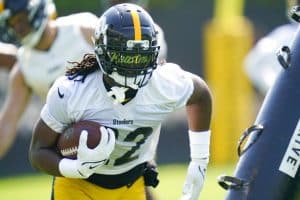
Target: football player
x=41, y=56
x=123, y=87
x=162, y=56
x=261, y=63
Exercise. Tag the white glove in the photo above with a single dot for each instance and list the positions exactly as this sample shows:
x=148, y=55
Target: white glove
x=88, y=160
x=199, y=146
x=193, y=182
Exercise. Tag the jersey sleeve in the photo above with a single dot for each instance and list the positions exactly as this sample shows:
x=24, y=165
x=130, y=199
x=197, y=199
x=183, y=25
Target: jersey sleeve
x=186, y=88
x=55, y=111
x=85, y=19
x=175, y=86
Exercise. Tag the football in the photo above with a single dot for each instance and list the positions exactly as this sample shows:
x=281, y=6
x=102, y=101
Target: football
x=68, y=141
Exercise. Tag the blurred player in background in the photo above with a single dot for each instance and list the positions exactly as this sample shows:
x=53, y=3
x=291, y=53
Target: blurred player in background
x=262, y=66
x=124, y=88
x=8, y=48
x=42, y=54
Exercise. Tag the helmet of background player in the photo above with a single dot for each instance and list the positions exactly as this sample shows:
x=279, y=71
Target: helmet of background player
x=37, y=11
x=126, y=45
x=108, y=3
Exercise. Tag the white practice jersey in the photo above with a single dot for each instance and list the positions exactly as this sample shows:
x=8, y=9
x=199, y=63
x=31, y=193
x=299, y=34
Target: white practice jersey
x=41, y=68
x=262, y=66
x=136, y=124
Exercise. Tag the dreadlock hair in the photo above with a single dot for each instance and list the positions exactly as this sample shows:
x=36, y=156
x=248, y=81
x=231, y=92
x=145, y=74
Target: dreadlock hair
x=87, y=66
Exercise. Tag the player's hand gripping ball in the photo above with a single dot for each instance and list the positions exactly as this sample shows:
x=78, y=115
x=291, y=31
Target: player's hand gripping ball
x=68, y=142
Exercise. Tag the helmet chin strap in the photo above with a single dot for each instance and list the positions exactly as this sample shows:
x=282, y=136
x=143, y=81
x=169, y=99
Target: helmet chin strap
x=128, y=81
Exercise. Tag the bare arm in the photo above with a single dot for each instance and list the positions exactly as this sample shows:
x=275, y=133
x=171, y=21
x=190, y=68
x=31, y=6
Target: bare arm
x=42, y=152
x=199, y=106
x=7, y=56
x=14, y=106
x=88, y=34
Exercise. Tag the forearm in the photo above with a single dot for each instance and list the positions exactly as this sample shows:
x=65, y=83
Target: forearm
x=7, y=136
x=7, y=56
x=7, y=61
x=199, y=108
x=50, y=162
x=9, y=119
x=198, y=117
x=45, y=159
x=42, y=152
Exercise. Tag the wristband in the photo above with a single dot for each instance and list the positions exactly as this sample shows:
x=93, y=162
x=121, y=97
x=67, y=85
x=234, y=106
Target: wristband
x=68, y=168
x=199, y=146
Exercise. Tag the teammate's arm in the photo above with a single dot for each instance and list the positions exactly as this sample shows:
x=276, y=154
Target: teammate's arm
x=7, y=56
x=14, y=106
x=87, y=33
x=199, y=108
x=88, y=29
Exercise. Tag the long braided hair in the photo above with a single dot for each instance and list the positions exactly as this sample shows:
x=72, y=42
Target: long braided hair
x=81, y=69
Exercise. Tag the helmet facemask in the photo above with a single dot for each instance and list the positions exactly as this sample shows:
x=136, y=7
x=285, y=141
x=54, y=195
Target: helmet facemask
x=130, y=66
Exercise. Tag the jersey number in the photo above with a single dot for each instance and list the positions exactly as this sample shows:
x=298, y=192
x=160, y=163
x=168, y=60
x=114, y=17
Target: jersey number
x=132, y=136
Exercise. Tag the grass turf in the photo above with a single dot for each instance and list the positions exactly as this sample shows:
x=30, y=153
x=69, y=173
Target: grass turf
x=38, y=186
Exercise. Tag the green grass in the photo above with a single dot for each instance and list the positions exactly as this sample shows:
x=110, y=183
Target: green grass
x=173, y=176
x=38, y=187
x=34, y=187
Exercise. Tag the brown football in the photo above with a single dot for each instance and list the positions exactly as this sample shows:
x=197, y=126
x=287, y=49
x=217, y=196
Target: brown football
x=68, y=141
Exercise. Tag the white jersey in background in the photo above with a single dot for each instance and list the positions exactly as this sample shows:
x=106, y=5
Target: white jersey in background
x=136, y=124
x=262, y=66
x=161, y=41
x=41, y=68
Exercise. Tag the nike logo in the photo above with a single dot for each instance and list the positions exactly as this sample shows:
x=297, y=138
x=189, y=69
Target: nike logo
x=60, y=94
x=94, y=164
x=202, y=172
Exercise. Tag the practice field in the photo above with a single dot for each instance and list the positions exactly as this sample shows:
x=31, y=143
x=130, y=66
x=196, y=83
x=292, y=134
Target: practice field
x=38, y=187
